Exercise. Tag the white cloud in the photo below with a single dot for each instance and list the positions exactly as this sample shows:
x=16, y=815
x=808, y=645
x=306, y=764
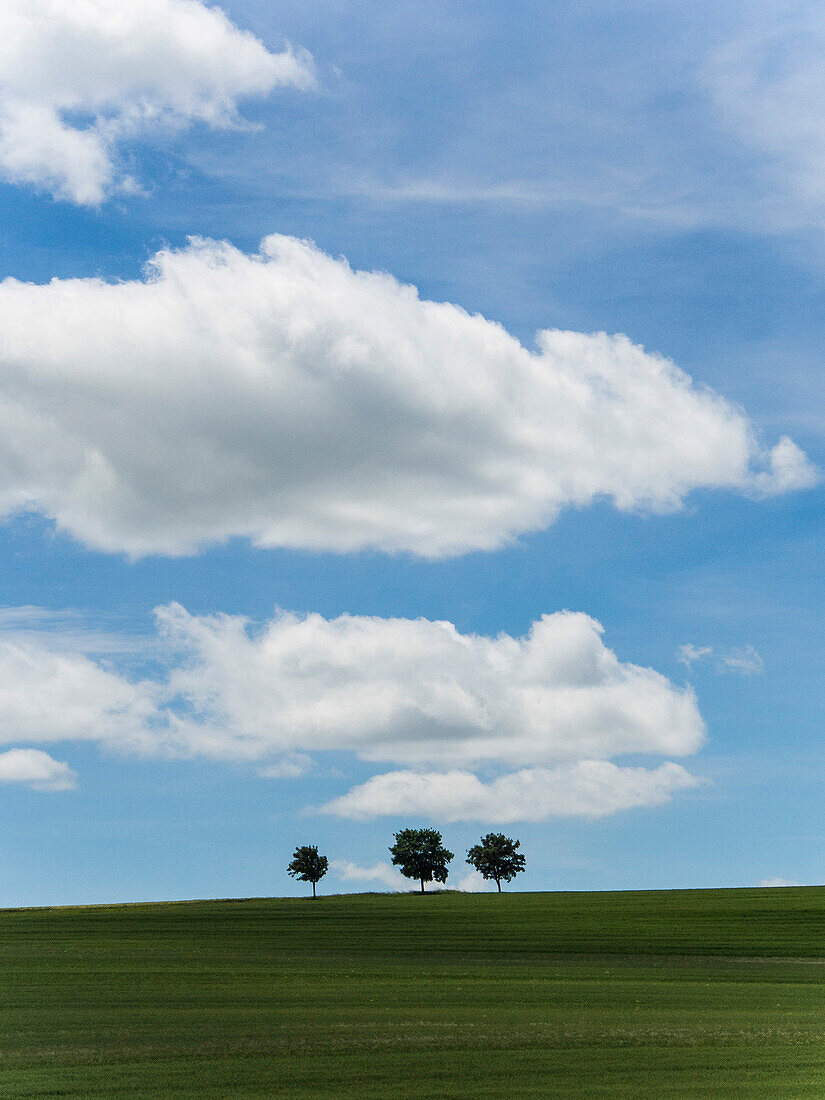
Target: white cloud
x=285, y=398
x=471, y=883
x=689, y=654
x=383, y=873
x=414, y=691
x=48, y=694
x=589, y=788
x=77, y=77
x=390, y=877
x=37, y=769
x=745, y=660
x=72, y=631
x=779, y=882
x=556, y=702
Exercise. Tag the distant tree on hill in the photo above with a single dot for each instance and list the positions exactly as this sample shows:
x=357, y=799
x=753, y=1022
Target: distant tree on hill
x=419, y=854
x=495, y=857
x=308, y=866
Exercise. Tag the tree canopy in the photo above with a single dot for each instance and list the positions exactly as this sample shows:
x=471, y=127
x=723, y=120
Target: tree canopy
x=419, y=854
x=307, y=865
x=496, y=857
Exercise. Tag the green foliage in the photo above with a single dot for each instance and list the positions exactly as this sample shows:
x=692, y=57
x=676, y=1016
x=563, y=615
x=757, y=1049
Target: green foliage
x=308, y=866
x=419, y=854
x=496, y=857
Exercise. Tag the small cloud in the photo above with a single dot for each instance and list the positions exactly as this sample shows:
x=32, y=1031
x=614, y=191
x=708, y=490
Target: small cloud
x=37, y=769
x=383, y=873
x=778, y=882
x=745, y=660
x=789, y=469
x=689, y=654
x=289, y=767
x=473, y=883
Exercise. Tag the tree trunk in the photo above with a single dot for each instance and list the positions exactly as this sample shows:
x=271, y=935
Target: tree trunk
x=313, y=889
x=498, y=884
x=422, y=886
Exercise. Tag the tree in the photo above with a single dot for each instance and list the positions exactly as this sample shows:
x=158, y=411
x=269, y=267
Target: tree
x=495, y=857
x=419, y=854
x=308, y=866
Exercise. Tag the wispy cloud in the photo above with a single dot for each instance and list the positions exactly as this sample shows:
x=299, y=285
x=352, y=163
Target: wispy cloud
x=745, y=660
x=630, y=200
x=291, y=766
x=767, y=84
x=73, y=631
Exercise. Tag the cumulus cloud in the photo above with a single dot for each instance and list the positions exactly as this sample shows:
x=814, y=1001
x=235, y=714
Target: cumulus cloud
x=49, y=694
x=36, y=769
x=745, y=660
x=778, y=882
x=382, y=873
x=77, y=77
x=556, y=702
x=288, y=399
x=414, y=691
x=589, y=788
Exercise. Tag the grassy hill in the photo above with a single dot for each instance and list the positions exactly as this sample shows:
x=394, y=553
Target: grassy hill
x=706, y=993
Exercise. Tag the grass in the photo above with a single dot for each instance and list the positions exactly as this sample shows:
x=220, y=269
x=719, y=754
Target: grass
x=707, y=993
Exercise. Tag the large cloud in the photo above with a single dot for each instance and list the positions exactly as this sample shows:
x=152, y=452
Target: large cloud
x=77, y=76
x=416, y=691
x=286, y=398
x=556, y=703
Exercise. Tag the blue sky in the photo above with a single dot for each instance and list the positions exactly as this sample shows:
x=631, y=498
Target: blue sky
x=240, y=431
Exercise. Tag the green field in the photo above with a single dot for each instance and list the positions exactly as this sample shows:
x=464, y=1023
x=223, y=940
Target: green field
x=706, y=993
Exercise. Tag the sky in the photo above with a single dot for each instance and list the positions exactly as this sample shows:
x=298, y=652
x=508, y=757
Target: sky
x=411, y=415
